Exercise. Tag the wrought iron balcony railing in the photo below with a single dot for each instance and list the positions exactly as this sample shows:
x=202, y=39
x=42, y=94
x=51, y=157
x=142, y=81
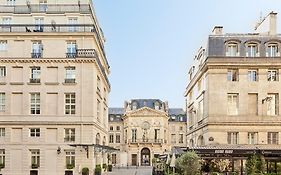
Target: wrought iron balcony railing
x=69, y=80
x=53, y=8
x=50, y=28
x=36, y=55
x=34, y=80
x=86, y=53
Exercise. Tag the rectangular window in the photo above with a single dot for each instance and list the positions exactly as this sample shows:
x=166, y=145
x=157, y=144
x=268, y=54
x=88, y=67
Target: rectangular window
x=117, y=140
x=252, y=50
x=118, y=128
x=232, y=104
x=71, y=51
x=70, y=75
x=111, y=138
x=114, y=159
x=43, y=5
x=272, y=138
x=35, y=103
x=35, y=158
x=11, y=2
x=37, y=49
x=232, y=75
x=2, y=132
x=272, y=104
x=35, y=75
x=2, y=102
x=69, y=135
x=98, y=110
x=2, y=157
x=232, y=50
x=34, y=132
x=272, y=75
x=252, y=75
x=39, y=22
x=181, y=138
x=98, y=84
x=70, y=103
x=70, y=158
x=72, y=22
x=2, y=71
x=6, y=21
x=134, y=135
x=3, y=45
x=232, y=138
x=272, y=50
x=252, y=138
x=111, y=128
x=200, y=110
x=173, y=138
x=156, y=134
x=253, y=104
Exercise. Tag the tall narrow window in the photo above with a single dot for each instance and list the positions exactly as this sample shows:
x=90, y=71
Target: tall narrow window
x=117, y=140
x=253, y=138
x=2, y=102
x=111, y=138
x=253, y=104
x=98, y=110
x=272, y=75
x=72, y=22
x=37, y=49
x=35, y=158
x=272, y=138
x=232, y=104
x=252, y=75
x=134, y=135
x=35, y=103
x=70, y=75
x=35, y=75
x=200, y=110
x=2, y=157
x=173, y=138
x=272, y=50
x=70, y=159
x=232, y=49
x=252, y=50
x=6, y=21
x=70, y=103
x=39, y=22
x=3, y=45
x=11, y=2
x=98, y=84
x=71, y=51
x=232, y=75
x=272, y=104
x=232, y=138
x=2, y=132
x=34, y=132
x=69, y=135
x=156, y=135
x=2, y=71
x=43, y=5
x=180, y=138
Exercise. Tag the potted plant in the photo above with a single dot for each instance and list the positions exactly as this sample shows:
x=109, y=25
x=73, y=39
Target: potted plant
x=70, y=166
x=109, y=168
x=104, y=166
x=98, y=170
x=85, y=171
x=34, y=165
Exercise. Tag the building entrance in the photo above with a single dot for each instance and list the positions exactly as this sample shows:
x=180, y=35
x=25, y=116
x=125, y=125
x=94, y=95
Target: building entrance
x=145, y=157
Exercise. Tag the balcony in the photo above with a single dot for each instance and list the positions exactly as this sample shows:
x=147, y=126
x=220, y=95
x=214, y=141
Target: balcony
x=143, y=141
x=34, y=80
x=48, y=9
x=47, y=28
x=71, y=55
x=69, y=80
x=36, y=55
x=86, y=53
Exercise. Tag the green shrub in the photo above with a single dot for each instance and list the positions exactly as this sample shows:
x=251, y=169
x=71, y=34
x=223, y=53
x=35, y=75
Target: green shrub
x=188, y=163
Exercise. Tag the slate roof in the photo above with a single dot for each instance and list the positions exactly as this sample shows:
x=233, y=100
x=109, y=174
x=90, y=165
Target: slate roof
x=146, y=102
x=117, y=111
x=176, y=111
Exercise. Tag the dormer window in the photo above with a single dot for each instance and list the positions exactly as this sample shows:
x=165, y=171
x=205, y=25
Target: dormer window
x=134, y=105
x=157, y=105
x=252, y=49
x=232, y=49
x=272, y=50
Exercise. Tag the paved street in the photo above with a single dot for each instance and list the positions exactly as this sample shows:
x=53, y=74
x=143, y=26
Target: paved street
x=130, y=171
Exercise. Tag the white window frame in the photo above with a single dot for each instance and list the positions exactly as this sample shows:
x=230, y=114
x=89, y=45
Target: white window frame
x=11, y=2
x=71, y=47
x=252, y=75
x=3, y=71
x=272, y=75
x=252, y=138
x=2, y=156
x=233, y=138
x=2, y=132
x=252, y=50
x=98, y=109
x=2, y=102
x=35, y=156
x=117, y=138
x=70, y=157
x=70, y=103
x=111, y=138
x=69, y=134
x=232, y=49
x=35, y=73
x=272, y=50
x=232, y=75
x=3, y=45
x=70, y=74
x=35, y=103
x=134, y=135
x=232, y=101
x=39, y=22
x=272, y=138
x=272, y=104
x=72, y=22
x=34, y=132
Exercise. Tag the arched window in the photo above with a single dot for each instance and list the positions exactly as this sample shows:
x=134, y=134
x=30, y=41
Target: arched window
x=134, y=105
x=232, y=49
x=252, y=49
x=272, y=49
x=157, y=105
x=98, y=138
x=200, y=141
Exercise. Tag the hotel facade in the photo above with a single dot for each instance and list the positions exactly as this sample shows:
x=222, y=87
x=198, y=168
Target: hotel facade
x=145, y=129
x=53, y=87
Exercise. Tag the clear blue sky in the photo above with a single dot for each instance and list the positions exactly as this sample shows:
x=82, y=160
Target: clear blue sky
x=151, y=43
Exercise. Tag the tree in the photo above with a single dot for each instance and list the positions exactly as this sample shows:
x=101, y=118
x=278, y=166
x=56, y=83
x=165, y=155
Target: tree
x=189, y=163
x=255, y=164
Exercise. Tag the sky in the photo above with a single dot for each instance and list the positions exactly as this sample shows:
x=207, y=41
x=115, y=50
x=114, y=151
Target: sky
x=150, y=44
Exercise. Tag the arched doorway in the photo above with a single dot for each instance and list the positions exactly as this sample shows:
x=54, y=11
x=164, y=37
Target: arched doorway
x=145, y=157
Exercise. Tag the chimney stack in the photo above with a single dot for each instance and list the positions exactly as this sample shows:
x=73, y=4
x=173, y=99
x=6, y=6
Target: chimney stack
x=217, y=30
x=268, y=25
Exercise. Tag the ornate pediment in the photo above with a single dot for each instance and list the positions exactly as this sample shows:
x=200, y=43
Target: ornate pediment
x=146, y=111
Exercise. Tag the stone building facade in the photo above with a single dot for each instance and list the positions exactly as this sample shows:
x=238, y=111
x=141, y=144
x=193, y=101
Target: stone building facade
x=234, y=89
x=144, y=129
x=53, y=87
